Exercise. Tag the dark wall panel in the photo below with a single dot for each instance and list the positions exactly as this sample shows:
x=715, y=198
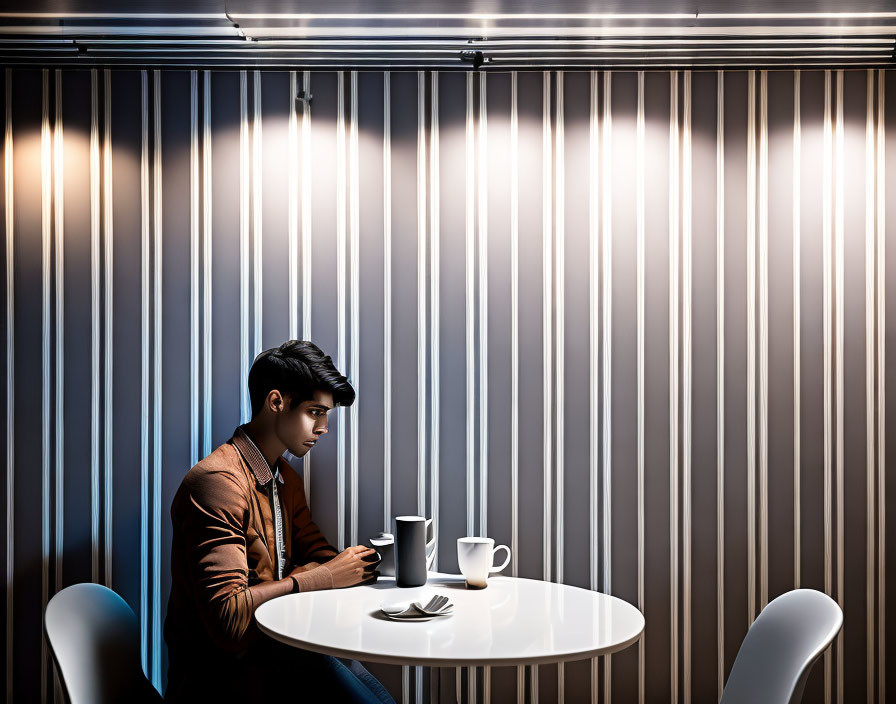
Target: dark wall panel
x=657, y=588
x=704, y=352
x=131, y=566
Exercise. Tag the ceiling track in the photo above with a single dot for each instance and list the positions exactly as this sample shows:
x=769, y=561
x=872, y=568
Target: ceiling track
x=746, y=64
x=447, y=41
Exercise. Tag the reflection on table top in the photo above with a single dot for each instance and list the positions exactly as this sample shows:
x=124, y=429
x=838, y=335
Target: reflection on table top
x=511, y=622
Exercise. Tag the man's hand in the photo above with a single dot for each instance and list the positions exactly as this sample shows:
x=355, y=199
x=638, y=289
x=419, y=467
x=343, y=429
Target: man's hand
x=350, y=567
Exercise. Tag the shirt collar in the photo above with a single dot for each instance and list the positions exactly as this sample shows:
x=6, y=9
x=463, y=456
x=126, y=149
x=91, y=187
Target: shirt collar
x=256, y=461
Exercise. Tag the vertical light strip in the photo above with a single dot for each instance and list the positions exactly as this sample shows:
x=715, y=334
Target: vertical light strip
x=59, y=299
x=145, y=253
x=593, y=349
x=881, y=391
x=421, y=293
x=434, y=308
x=514, y=327
x=158, y=296
x=418, y=685
x=387, y=301
x=340, y=296
x=257, y=191
x=94, y=331
x=306, y=226
x=46, y=205
x=533, y=684
x=797, y=248
x=469, y=235
x=8, y=210
x=306, y=244
x=828, y=363
x=515, y=348
x=763, y=339
x=547, y=285
x=471, y=685
x=640, y=302
x=354, y=235
x=405, y=684
x=245, y=411
x=293, y=214
x=559, y=235
x=869, y=383
x=673, y=379
x=107, y=329
x=720, y=381
x=607, y=346
x=594, y=166
x=751, y=347
x=686, y=375
x=207, y=261
x=194, y=267
x=482, y=212
x=838, y=359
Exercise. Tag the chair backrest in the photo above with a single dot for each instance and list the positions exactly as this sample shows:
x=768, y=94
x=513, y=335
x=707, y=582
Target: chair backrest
x=94, y=640
x=781, y=646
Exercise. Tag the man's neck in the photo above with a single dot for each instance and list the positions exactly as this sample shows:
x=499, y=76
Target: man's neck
x=266, y=441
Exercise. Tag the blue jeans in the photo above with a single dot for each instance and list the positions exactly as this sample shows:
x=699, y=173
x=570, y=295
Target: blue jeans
x=271, y=671
x=357, y=683
x=322, y=678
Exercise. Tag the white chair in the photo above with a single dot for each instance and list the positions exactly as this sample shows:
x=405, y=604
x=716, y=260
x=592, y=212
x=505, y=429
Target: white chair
x=783, y=643
x=94, y=640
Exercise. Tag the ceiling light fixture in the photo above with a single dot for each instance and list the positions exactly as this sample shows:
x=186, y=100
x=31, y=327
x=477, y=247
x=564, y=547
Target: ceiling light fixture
x=558, y=15
x=452, y=43
x=485, y=16
x=858, y=51
x=794, y=15
x=580, y=31
x=114, y=15
x=129, y=30
x=674, y=42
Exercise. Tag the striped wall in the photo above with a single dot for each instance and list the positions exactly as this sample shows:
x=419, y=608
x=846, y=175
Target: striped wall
x=632, y=324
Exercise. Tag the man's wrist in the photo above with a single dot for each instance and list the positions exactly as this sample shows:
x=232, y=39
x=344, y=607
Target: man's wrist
x=313, y=580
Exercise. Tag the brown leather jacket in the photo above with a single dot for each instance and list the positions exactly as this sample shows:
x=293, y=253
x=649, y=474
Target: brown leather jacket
x=223, y=543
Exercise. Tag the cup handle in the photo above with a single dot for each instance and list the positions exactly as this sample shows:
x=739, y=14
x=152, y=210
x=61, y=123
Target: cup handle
x=505, y=563
x=430, y=544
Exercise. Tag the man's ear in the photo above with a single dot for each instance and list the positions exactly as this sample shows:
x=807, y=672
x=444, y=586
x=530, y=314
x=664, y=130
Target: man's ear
x=276, y=402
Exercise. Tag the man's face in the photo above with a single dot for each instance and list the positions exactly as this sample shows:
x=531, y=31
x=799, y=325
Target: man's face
x=301, y=426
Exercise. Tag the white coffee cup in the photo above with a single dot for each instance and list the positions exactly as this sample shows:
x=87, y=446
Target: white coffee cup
x=475, y=557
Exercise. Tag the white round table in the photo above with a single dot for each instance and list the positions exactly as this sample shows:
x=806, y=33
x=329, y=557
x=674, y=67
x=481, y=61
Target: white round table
x=511, y=622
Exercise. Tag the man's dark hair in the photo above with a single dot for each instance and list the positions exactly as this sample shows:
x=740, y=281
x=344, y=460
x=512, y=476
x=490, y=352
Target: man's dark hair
x=297, y=368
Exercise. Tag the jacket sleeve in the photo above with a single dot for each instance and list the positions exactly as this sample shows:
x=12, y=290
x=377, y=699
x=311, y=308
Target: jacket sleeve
x=214, y=513
x=308, y=542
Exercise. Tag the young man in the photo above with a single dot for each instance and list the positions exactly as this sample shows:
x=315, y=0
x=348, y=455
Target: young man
x=243, y=535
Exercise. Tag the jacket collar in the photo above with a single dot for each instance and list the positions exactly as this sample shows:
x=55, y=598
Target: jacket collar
x=256, y=461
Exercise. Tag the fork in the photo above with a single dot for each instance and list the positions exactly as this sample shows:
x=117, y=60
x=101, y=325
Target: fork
x=435, y=607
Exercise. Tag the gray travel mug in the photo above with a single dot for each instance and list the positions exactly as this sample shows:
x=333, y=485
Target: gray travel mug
x=414, y=550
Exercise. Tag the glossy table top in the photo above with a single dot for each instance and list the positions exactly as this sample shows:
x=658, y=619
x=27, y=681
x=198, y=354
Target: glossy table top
x=511, y=622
